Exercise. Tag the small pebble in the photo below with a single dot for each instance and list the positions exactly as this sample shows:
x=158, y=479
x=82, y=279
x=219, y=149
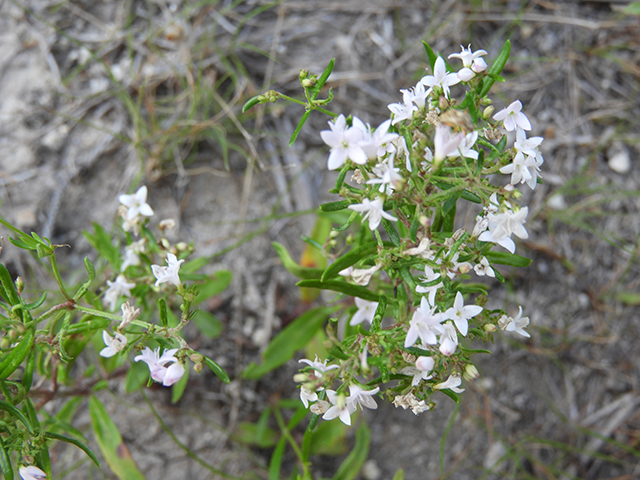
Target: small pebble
x=619, y=159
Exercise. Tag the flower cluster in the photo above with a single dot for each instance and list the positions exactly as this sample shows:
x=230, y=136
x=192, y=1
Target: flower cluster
x=409, y=174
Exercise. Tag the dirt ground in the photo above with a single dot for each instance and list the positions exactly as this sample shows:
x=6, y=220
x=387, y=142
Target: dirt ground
x=564, y=404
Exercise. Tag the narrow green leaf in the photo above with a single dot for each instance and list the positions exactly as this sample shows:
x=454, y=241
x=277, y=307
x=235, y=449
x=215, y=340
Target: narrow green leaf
x=495, y=69
x=351, y=258
x=110, y=442
x=5, y=462
x=506, y=258
x=351, y=466
x=291, y=339
x=252, y=102
x=415, y=224
x=347, y=224
x=276, y=459
x=95, y=323
x=101, y=241
x=162, y=310
x=91, y=270
x=13, y=411
x=136, y=377
x=390, y=228
x=430, y=55
x=217, y=369
x=322, y=79
x=29, y=367
x=301, y=123
x=37, y=303
x=77, y=443
x=341, y=176
x=290, y=264
x=399, y=475
x=11, y=294
x=207, y=323
x=379, y=313
x=341, y=287
x=17, y=356
x=218, y=283
x=335, y=206
x=451, y=394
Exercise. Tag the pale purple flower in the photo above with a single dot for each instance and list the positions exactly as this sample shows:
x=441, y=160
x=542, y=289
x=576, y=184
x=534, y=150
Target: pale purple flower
x=344, y=142
x=513, y=118
x=116, y=289
x=425, y=324
x=373, y=211
x=460, y=314
x=168, y=274
x=160, y=372
x=113, y=344
x=366, y=312
x=440, y=78
x=136, y=204
x=360, y=397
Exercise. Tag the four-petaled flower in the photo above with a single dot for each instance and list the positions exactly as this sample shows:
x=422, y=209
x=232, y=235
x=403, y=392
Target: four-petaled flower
x=158, y=365
x=168, y=274
x=445, y=143
x=452, y=383
x=366, y=312
x=513, y=118
x=360, y=397
x=440, y=78
x=113, y=344
x=516, y=324
x=460, y=314
x=338, y=408
x=465, y=147
x=31, y=472
x=136, y=204
x=345, y=143
x=373, y=211
x=120, y=287
x=502, y=225
x=425, y=323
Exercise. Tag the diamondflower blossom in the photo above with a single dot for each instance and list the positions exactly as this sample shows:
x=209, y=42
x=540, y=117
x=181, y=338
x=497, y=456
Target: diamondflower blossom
x=460, y=314
x=425, y=323
x=374, y=143
x=388, y=177
x=31, y=472
x=445, y=142
x=440, y=78
x=527, y=161
x=516, y=324
x=465, y=147
x=318, y=366
x=421, y=370
x=448, y=339
x=513, y=118
x=502, y=225
x=366, y=312
x=373, y=211
x=116, y=289
x=467, y=56
x=338, y=408
x=344, y=142
x=158, y=365
x=403, y=111
x=168, y=274
x=113, y=344
x=472, y=63
x=361, y=397
x=362, y=276
x=136, y=204
x=429, y=276
x=452, y=383
x=484, y=268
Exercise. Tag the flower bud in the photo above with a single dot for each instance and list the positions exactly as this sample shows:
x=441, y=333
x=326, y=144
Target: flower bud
x=308, y=82
x=350, y=238
x=479, y=65
x=197, y=367
x=19, y=284
x=443, y=103
x=12, y=334
x=470, y=373
x=333, y=234
x=303, y=74
x=424, y=221
x=464, y=268
x=490, y=328
x=486, y=114
x=165, y=243
x=5, y=343
x=196, y=358
x=332, y=243
x=182, y=246
x=300, y=377
x=486, y=101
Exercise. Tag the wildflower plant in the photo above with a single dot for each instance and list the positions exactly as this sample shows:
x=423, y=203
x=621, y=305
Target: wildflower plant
x=401, y=250
x=132, y=308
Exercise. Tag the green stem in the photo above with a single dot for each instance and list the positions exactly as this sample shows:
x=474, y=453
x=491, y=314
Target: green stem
x=310, y=106
x=285, y=432
x=56, y=273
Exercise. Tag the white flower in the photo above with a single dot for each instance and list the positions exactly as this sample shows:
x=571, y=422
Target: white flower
x=513, y=118
x=421, y=371
x=318, y=366
x=120, y=287
x=129, y=314
x=418, y=95
x=518, y=170
x=403, y=111
x=168, y=274
x=389, y=178
x=366, y=312
x=344, y=142
x=158, y=365
x=452, y=383
x=373, y=211
x=484, y=268
x=374, y=143
x=307, y=396
x=460, y=314
x=429, y=276
x=464, y=148
x=338, y=409
x=445, y=142
x=346, y=272
x=467, y=56
x=440, y=78
x=31, y=472
x=137, y=204
x=113, y=344
x=448, y=340
x=362, y=276
x=479, y=65
x=131, y=254
x=502, y=225
x=516, y=324
x=360, y=397
x=425, y=323
x=465, y=74
x=423, y=249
